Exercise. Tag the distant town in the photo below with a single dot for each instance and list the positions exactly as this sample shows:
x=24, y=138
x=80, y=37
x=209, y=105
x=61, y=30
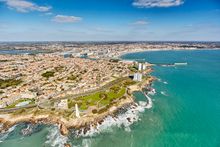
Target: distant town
x=104, y=49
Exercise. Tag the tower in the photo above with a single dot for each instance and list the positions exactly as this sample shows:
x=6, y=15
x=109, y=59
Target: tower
x=139, y=66
x=77, y=111
x=144, y=67
x=135, y=78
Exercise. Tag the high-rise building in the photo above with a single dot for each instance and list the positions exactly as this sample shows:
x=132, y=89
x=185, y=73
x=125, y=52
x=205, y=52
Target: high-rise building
x=144, y=67
x=139, y=66
x=137, y=77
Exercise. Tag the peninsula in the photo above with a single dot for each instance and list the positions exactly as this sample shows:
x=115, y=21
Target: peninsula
x=70, y=91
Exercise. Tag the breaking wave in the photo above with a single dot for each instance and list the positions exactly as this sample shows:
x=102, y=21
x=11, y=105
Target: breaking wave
x=5, y=135
x=54, y=138
x=160, y=80
x=164, y=93
x=152, y=91
x=149, y=103
x=165, y=82
x=123, y=120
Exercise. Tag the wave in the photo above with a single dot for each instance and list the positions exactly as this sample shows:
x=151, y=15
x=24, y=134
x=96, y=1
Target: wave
x=28, y=130
x=4, y=136
x=152, y=92
x=86, y=142
x=142, y=103
x=54, y=138
x=160, y=80
x=164, y=93
x=149, y=103
x=123, y=120
x=165, y=82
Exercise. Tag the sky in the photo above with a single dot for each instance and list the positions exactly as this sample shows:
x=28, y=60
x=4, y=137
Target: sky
x=109, y=20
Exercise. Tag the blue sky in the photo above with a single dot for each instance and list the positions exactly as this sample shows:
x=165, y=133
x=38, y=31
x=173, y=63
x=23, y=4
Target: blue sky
x=110, y=20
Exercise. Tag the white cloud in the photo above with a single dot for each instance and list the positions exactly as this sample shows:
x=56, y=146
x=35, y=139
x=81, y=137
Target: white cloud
x=156, y=3
x=66, y=19
x=25, y=6
x=140, y=22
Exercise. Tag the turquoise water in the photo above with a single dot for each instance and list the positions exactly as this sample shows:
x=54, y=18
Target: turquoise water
x=185, y=112
x=190, y=113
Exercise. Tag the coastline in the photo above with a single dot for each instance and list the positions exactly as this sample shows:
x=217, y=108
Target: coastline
x=155, y=50
x=64, y=129
x=9, y=120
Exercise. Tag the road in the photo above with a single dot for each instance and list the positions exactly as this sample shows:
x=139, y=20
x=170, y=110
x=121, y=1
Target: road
x=103, y=88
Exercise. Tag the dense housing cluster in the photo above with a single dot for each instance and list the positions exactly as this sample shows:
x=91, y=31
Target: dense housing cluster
x=45, y=76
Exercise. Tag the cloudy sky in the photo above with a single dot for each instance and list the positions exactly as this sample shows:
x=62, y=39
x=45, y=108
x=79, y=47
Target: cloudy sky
x=109, y=20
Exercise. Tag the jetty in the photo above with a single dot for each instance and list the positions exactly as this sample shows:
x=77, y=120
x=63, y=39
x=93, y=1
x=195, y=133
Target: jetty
x=170, y=64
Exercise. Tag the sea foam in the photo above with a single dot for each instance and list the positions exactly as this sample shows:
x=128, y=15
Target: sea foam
x=5, y=135
x=150, y=103
x=122, y=120
x=165, y=82
x=164, y=93
x=54, y=137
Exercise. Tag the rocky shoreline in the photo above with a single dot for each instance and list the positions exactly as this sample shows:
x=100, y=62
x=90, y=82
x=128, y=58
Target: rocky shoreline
x=9, y=120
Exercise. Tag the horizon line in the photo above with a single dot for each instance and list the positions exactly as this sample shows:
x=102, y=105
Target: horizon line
x=112, y=41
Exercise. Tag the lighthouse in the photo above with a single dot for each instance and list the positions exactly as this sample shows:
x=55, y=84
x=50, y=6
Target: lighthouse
x=77, y=111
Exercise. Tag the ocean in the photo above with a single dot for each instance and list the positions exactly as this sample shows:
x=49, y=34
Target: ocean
x=185, y=110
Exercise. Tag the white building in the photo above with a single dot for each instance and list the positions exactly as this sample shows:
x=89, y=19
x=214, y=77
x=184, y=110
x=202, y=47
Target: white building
x=137, y=77
x=2, y=106
x=139, y=66
x=77, y=111
x=63, y=104
x=144, y=67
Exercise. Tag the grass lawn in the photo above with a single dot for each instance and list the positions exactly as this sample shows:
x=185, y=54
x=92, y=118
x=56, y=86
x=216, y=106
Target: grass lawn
x=112, y=95
x=101, y=98
x=48, y=74
x=9, y=83
x=72, y=77
x=20, y=101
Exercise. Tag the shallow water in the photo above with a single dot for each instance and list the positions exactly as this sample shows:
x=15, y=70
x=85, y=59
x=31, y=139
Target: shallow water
x=19, y=52
x=185, y=112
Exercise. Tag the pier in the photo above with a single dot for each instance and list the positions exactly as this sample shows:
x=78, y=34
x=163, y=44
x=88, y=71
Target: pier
x=170, y=64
